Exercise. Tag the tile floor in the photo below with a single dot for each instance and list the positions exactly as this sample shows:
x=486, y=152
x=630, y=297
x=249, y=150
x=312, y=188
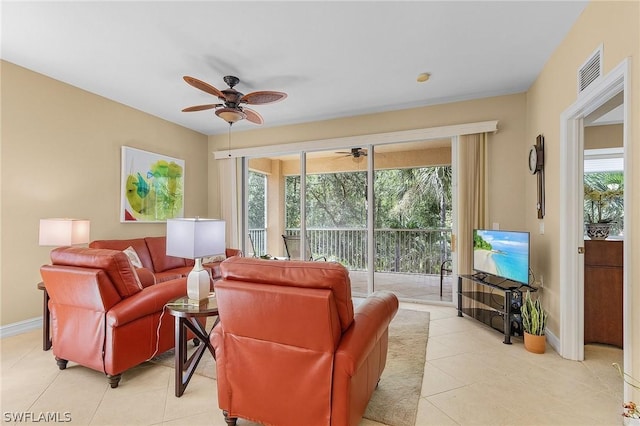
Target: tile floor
x=418, y=288
x=470, y=378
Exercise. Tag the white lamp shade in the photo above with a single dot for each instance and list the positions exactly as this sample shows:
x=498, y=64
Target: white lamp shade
x=63, y=232
x=195, y=238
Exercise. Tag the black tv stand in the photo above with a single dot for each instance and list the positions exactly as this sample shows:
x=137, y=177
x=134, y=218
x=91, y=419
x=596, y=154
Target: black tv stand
x=492, y=305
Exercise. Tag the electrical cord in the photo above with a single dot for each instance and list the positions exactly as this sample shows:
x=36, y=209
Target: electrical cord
x=164, y=309
x=158, y=334
x=531, y=283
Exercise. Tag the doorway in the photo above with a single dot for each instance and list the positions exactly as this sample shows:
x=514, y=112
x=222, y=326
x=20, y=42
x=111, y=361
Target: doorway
x=572, y=124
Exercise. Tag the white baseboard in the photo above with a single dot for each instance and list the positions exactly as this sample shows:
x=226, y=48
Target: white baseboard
x=553, y=340
x=20, y=327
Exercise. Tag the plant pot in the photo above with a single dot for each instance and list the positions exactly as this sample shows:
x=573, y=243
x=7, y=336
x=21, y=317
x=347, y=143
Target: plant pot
x=535, y=344
x=598, y=231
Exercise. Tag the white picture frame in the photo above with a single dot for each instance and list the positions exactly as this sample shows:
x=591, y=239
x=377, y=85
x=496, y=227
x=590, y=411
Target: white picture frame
x=151, y=187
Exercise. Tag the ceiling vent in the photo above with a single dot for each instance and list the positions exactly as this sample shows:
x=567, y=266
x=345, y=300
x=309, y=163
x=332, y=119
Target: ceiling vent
x=590, y=71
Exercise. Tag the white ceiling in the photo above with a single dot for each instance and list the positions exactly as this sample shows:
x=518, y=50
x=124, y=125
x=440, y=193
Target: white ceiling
x=333, y=58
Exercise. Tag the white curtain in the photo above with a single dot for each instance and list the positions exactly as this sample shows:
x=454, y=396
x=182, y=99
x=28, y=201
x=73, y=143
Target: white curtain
x=229, y=198
x=472, y=195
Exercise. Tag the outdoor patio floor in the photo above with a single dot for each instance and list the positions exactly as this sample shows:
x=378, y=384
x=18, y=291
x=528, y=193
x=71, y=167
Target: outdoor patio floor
x=409, y=287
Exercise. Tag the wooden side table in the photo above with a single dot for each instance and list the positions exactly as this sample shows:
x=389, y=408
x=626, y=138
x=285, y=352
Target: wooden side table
x=187, y=317
x=46, y=318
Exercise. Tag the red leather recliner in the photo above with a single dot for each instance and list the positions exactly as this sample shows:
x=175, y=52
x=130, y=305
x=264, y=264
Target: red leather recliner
x=290, y=349
x=102, y=316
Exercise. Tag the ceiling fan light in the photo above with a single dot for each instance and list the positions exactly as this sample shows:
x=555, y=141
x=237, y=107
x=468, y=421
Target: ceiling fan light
x=230, y=115
x=422, y=77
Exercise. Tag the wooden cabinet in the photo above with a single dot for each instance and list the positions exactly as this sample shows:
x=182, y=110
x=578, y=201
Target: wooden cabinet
x=603, y=272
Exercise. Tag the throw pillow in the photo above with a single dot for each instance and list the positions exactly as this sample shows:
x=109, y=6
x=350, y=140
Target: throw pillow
x=133, y=257
x=211, y=259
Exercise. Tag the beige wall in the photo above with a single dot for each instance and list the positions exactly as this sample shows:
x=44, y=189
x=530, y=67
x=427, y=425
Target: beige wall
x=609, y=136
x=61, y=158
x=507, y=177
x=615, y=25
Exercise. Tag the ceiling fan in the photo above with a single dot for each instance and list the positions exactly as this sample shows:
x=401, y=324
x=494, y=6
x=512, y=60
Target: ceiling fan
x=355, y=153
x=231, y=109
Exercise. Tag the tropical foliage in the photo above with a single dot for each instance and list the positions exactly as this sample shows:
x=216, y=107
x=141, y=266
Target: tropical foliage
x=412, y=212
x=480, y=243
x=416, y=198
x=603, y=199
x=256, y=200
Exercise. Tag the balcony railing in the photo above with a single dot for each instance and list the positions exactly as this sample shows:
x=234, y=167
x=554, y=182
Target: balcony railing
x=258, y=240
x=418, y=251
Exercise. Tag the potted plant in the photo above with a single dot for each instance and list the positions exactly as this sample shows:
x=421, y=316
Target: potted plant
x=534, y=322
x=601, y=195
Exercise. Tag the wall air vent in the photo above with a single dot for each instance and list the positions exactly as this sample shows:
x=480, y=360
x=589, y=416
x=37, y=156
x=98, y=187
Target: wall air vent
x=590, y=71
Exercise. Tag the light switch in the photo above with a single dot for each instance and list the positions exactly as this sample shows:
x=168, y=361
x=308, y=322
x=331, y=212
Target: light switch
x=542, y=227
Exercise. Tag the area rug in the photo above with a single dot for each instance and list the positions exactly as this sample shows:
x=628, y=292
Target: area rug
x=395, y=401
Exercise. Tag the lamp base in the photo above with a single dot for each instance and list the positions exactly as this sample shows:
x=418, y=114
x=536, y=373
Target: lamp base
x=198, y=283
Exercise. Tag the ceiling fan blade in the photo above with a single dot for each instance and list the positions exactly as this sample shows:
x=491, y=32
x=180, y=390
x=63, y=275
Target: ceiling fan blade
x=201, y=107
x=262, y=97
x=205, y=87
x=253, y=116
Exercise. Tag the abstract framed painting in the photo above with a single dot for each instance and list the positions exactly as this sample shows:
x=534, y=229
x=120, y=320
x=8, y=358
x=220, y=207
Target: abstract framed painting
x=152, y=187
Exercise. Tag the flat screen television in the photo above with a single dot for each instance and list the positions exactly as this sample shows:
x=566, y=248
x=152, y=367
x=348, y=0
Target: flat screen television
x=504, y=254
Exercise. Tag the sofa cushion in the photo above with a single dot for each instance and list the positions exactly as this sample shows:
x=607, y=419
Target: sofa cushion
x=146, y=276
x=138, y=244
x=179, y=272
x=214, y=259
x=115, y=263
x=157, y=247
x=214, y=267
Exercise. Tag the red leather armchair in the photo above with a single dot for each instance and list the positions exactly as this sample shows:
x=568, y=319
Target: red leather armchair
x=290, y=349
x=102, y=317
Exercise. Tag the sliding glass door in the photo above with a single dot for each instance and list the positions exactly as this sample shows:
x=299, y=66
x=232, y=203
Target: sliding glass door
x=336, y=211
x=413, y=213
x=384, y=213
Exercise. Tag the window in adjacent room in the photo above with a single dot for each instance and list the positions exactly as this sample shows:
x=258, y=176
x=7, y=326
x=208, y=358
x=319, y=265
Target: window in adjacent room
x=604, y=188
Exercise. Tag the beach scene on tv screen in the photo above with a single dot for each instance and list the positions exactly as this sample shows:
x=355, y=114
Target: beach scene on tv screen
x=502, y=253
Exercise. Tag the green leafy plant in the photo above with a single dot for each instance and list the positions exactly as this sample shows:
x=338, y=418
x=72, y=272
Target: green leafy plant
x=603, y=195
x=534, y=317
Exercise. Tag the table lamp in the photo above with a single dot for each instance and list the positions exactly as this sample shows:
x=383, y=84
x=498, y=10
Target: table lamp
x=63, y=232
x=195, y=238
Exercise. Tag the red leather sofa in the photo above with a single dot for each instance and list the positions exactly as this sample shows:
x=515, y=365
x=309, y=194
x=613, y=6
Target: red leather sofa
x=290, y=350
x=102, y=316
x=152, y=252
